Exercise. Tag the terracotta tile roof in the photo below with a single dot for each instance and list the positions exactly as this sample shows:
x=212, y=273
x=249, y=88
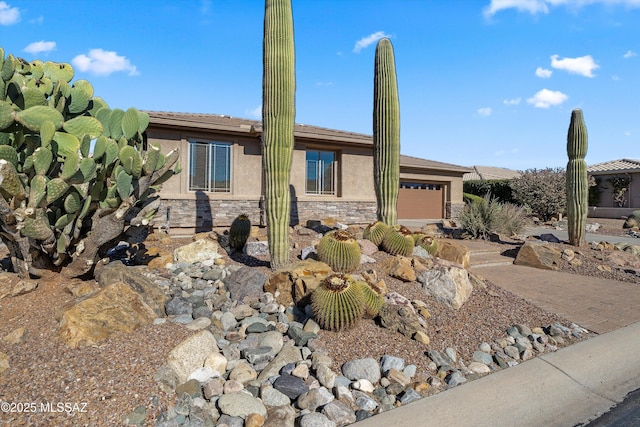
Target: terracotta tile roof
x=490, y=172
x=615, y=166
x=236, y=125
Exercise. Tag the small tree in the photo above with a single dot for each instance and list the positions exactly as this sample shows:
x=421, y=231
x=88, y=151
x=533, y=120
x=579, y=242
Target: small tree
x=542, y=190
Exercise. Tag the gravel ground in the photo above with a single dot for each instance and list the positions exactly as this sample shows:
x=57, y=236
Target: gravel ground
x=114, y=378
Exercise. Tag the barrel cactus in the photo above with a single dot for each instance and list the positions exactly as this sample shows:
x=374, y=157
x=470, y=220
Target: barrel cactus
x=386, y=133
x=338, y=302
x=398, y=240
x=429, y=244
x=375, y=232
x=577, y=180
x=239, y=231
x=278, y=116
x=63, y=202
x=373, y=298
x=340, y=251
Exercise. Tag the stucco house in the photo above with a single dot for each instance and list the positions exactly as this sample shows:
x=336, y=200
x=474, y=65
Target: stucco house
x=489, y=173
x=608, y=205
x=331, y=175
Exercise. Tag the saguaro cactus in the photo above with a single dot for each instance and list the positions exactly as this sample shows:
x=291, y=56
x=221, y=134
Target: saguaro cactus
x=386, y=133
x=577, y=181
x=278, y=117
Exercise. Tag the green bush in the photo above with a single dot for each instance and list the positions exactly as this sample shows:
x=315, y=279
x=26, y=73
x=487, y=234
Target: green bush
x=469, y=198
x=498, y=188
x=542, y=190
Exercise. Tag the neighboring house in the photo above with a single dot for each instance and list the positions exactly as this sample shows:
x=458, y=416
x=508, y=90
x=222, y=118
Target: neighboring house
x=489, y=172
x=610, y=204
x=331, y=175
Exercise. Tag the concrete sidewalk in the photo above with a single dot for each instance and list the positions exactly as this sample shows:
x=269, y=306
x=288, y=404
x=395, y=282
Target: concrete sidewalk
x=569, y=387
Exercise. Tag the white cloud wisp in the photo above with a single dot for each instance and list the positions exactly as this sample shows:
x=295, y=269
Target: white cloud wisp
x=8, y=15
x=39, y=47
x=542, y=6
x=485, y=112
x=102, y=63
x=583, y=65
x=546, y=98
x=369, y=40
x=543, y=73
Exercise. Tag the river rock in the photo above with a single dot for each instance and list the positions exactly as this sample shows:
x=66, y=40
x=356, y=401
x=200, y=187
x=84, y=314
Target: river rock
x=246, y=284
x=240, y=404
x=367, y=368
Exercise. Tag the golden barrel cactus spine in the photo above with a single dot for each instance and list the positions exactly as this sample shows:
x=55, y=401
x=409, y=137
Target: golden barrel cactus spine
x=338, y=303
x=340, y=250
x=375, y=232
x=398, y=240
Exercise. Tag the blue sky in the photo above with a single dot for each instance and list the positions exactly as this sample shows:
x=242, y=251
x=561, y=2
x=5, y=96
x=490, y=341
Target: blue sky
x=481, y=82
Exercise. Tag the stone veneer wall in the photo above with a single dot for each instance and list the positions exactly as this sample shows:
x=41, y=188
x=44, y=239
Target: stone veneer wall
x=453, y=210
x=204, y=214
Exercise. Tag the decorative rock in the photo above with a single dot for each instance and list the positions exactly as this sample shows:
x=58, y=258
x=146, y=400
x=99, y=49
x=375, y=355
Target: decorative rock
x=213, y=388
x=399, y=267
x=421, y=337
x=198, y=251
x=363, y=385
x=116, y=308
x=400, y=318
x=246, y=284
x=254, y=420
x=137, y=416
x=538, y=255
x=290, y=386
x=549, y=237
x=479, y=368
x=256, y=249
x=204, y=374
x=243, y=373
x=325, y=376
x=177, y=306
x=166, y=379
x=199, y=324
x=366, y=368
x=512, y=352
x=191, y=353
x=15, y=337
x=191, y=388
x=4, y=362
x=301, y=371
x=23, y=287
x=454, y=252
x=314, y=398
x=367, y=247
x=316, y=419
x=451, y=354
x=232, y=386
x=387, y=362
x=280, y=416
x=366, y=403
x=455, y=378
x=447, y=283
x=241, y=404
x=396, y=376
x=272, y=397
x=343, y=393
x=409, y=395
x=482, y=357
x=286, y=355
x=339, y=413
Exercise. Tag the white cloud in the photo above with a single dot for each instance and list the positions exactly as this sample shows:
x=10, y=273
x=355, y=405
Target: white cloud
x=543, y=73
x=256, y=112
x=485, y=112
x=615, y=77
x=8, y=15
x=38, y=20
x=583, y=65
x=41, y=46
x=629, y=54
x=545, y=98
x=369, y=40
x=514, y=101
x=531, y=6
x=102, y=62
x=542, y=6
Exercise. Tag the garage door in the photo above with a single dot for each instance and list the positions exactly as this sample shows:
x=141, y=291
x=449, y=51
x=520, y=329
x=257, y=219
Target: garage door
x=420, y=201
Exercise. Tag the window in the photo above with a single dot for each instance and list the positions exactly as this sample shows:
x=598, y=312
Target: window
x=321, y=171
x=210, y=167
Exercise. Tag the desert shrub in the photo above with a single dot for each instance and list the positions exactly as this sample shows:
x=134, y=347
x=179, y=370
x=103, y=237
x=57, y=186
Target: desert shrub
x=498, y=188
x=469, y=198
x=488, y=215
x=513, y=219
x=481, y=217
x=542, y=190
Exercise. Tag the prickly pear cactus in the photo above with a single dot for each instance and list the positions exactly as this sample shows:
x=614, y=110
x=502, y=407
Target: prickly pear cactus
x=340, y=251
x=239, y=232
x=338, y=303
x=74, y=174
x=577, y=180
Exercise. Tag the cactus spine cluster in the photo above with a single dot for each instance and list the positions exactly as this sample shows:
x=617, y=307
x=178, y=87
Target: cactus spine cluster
x=278, y=116
x=60, y=201
x=429, y=244
x=340, y=251
x=577, y=180
x=386, y=133
x=239, y=232
x=338, y=302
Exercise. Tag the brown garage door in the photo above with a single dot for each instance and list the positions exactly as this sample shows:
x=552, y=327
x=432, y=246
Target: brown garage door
x=420, y=201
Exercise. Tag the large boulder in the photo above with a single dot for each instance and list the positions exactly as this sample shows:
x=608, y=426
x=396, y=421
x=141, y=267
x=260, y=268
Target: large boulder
x=399, y=267
x=117, y=272
x=191, y=354
x=115, y=308
x=454, y=252
x=198, y=251
x=539, y=255
x=447, y=282
x=246, y=285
